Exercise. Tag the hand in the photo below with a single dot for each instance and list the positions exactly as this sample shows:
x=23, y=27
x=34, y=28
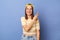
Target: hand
x=36, y=16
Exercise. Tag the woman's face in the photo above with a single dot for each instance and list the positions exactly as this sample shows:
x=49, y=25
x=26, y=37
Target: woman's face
x=29, y=10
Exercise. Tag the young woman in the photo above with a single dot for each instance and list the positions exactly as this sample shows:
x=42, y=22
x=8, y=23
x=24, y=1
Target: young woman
x=30, y=24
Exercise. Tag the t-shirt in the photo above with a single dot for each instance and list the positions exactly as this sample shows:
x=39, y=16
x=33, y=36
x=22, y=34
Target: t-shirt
x=35, y=26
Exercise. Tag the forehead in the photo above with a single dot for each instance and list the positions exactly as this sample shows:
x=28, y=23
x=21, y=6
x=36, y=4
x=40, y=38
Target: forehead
x=29, y=6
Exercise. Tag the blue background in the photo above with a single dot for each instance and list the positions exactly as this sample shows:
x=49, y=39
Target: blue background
x=12, y=10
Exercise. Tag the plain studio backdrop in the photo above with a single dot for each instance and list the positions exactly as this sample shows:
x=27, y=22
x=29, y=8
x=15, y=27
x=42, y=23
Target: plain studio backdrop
x=12, y=10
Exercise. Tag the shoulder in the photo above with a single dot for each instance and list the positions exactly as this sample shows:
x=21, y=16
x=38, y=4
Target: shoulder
x=23, y=18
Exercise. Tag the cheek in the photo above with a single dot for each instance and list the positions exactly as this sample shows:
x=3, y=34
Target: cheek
x=30, y=10
x=27, y=10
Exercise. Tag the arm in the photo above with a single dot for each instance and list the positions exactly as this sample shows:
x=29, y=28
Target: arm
x=38, y=34
x=29, y=26
x=38, y=30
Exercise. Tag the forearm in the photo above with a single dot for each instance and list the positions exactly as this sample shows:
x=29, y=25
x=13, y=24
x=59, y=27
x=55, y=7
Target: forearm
x=35, y=18
x=31, y=23
x=38, y=35
x=28, y=26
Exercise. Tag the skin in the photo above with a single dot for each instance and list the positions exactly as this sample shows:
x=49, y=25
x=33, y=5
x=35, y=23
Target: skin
x=29, y=11
x=29, y=26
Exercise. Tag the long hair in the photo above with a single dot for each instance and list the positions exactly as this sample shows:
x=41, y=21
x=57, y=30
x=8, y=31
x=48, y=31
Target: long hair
x=32, y=15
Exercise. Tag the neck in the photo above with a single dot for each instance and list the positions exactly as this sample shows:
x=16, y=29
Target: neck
x=29, y=17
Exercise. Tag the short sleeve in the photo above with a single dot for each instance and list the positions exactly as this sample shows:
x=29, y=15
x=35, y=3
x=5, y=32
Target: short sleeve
x=38, y=25
x=23, y=21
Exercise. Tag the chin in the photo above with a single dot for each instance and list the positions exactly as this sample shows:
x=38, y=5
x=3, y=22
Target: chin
x=29, y=15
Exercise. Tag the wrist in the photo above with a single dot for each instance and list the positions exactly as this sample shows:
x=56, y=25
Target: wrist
x=35, y=17
x=37, y=38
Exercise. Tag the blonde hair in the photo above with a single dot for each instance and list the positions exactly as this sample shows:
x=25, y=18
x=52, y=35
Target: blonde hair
x=29, y=5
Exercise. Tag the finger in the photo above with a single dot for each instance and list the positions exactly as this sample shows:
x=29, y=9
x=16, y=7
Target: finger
x=37, y=14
